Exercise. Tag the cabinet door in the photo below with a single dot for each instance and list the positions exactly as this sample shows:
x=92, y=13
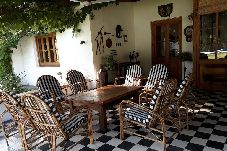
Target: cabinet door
x=166, y=45
x=208, y=37
x=222, y=36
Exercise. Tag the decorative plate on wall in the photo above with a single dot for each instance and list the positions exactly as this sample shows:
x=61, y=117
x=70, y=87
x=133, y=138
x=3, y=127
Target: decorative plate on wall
x=108, y=43
x=165, y=10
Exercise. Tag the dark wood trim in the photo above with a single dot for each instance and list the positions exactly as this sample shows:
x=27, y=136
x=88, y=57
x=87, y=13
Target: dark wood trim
x=195, y=36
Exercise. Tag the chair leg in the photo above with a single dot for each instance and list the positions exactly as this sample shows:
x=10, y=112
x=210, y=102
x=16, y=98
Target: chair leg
x=179, y=121
x=187, y=115
x=90, y=128
x=4, y=131
x=53, y=142
x=163, y=134
x=121, y=123
x=23, y=136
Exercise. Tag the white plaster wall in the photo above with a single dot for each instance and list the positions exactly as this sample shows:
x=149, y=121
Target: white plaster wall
x=72, y=55
x=110, y=17
x=146, y=11
x=18, y=63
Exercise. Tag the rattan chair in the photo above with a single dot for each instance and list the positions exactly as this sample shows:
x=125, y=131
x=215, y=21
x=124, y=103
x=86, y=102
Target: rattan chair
x=77, y=81
x=51, y=89
x=140, y=115
x=40, y=111
x=133, y=76
x=183, y=107
x=157, y=72
x=20, y=118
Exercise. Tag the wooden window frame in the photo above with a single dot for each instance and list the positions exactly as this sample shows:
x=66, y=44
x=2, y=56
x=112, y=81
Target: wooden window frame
x=40, y=49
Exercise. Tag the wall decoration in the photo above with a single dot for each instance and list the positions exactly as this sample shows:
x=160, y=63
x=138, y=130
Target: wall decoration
x=108, y=43
x=190, y=17
x=165, y=10
x=188, y=33
x=82, y=42
x=118, y=44
x=99, y=41
x=113, y=52
x=125, y=38
x=106, y=33
x=133, y=56
x=118, y=31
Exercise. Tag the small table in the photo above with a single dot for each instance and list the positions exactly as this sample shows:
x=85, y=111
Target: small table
x=100, y=98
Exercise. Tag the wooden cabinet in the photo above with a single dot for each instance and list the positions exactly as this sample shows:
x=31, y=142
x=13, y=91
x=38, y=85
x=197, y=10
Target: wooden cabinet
x=210, y=44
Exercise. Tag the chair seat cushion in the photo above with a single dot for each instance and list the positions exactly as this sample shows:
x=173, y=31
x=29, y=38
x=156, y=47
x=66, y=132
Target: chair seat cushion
x=73, y=123
x=137, y=114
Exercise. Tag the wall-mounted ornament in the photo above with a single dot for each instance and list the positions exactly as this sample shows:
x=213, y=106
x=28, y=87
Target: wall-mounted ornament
x=113, y=52
x=118, y=44
x=133, y=56
x=118, y=31
x=190, y=17
x=99, y=41
x=125, y=38
x=106, y=33
x=188, y=33
x=108, y=43
x=165, y=10
x=82, y=42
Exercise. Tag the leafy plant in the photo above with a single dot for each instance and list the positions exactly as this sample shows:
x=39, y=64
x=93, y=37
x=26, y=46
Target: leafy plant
x=109, y=62
x=11, y=83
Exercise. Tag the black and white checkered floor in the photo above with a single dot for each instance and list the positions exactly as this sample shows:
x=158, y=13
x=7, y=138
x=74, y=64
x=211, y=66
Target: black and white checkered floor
x=207, y=132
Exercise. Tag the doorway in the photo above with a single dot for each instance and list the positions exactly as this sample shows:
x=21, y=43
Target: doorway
x=166, y=45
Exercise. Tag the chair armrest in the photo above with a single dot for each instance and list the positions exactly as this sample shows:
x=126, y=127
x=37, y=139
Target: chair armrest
x=145, y=96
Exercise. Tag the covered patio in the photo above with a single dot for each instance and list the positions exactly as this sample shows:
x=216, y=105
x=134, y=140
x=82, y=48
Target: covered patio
x=72, y=64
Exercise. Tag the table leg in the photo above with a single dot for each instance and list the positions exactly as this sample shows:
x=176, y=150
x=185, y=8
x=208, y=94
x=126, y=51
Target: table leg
x=102, y=119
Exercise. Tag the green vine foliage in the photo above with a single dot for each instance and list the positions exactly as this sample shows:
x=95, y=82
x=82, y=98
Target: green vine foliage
x=20, y=18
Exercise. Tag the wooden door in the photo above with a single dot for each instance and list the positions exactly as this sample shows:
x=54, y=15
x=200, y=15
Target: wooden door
x=166, y=45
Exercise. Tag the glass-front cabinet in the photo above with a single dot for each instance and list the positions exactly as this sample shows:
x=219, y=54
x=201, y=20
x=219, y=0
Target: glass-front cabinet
x=213, y=36
x=211, y=50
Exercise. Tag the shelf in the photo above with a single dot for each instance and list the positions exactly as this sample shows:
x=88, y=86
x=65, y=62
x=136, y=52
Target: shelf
x=213, y=61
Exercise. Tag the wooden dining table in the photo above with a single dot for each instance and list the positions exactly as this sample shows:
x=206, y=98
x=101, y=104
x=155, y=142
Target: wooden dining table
x=99, y=99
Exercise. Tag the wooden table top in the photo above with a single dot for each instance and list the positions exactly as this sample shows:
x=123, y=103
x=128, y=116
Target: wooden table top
x=106, y=94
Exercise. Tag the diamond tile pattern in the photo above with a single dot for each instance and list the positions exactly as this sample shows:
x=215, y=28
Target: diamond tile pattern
x=206, y=132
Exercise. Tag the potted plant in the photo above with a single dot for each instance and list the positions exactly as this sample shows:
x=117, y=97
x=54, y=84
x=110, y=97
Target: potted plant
x=109, y=62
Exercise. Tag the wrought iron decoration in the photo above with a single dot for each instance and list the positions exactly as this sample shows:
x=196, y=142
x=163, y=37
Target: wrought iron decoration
x=99, y=41
x=165, y=10
x=188, y=33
